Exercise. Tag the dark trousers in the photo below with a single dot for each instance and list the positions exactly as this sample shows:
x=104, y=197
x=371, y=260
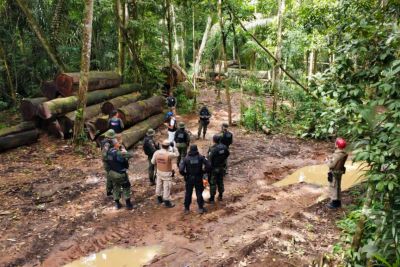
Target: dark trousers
x=197, y=183
x=216, y=180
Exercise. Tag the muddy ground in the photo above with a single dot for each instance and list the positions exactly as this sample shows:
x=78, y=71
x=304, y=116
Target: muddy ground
x=54, y=209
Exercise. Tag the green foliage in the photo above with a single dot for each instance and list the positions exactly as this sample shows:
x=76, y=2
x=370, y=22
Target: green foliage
x=254, y=86
x=364, y=81
x=255, y=116
x=184, y=104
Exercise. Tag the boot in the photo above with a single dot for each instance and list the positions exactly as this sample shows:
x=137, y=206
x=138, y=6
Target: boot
x=129, y=205
x=109, y=193
x=186, y=211
x=204, y=136
x=198, y=136
x=159, y=200
x=202, y=210
x=220, y=197
x=117, y=204
x=211, y=200
x=169, y=204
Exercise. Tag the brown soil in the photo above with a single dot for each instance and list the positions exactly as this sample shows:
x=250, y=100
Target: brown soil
x=54, y=209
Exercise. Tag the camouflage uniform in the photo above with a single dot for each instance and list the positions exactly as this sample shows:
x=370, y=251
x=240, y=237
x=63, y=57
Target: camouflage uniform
x=106, y=144
x=336, y=167
x=182, y=140
x=204, y=120
x=118, y=161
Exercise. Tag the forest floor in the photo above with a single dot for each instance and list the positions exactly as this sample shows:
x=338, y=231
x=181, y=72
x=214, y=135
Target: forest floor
x=54, y=209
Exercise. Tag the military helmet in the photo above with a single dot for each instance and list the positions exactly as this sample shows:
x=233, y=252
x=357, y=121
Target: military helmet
x=181, y=125
x=150, y=132
x=193, y=148
x=110, y=134
x=225, y=125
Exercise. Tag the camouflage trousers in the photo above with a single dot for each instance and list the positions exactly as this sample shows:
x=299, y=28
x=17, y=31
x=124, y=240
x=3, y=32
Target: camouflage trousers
x=182, y=148
x=121, y=185
x=151, y=172
x=109, y=185
x=335, y=186
x=216, y=180
x=202, y=126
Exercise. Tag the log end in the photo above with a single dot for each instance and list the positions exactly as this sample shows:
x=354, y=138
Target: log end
x=49, y=90
x=64, y=84
x=101, y=125
x=28, y=110
x=44, y=111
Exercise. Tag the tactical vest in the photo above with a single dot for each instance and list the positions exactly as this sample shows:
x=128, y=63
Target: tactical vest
x=204, y=112
x=115, y=124
x=149, y=146
x=163, y=161
x=226, y=138
x=218, y=155
x=116, y=162
x=181, y=136
x=194, y=165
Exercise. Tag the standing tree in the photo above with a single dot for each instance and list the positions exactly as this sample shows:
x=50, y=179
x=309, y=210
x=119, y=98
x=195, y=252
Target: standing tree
x=41, y=36
x=169, y=27
x=84, y=77
x=276, y=75
x=223, y=55
x=121, y=20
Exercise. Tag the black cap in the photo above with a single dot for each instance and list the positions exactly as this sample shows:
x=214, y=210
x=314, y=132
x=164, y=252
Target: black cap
x=193, y=148
x=114, y=112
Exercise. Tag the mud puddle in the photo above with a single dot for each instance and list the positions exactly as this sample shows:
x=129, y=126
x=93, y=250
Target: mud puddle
x=317, y=174
x=118, y=257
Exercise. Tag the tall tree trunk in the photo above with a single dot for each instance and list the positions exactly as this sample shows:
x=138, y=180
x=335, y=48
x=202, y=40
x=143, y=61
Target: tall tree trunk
x=223, y=54
x=176, y=46
x=41, y=36
x=183, y=46
x=194, y=61
x=358, y=234
x=56, y=21
x=169, y=28
x=84, y=77
x=276, y=77
x=311, y=64
x=237, y=52
x=203, y=45
x=121, y=19
x=11, y=88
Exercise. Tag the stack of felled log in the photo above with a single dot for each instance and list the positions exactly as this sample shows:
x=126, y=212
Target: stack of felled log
x=56, y=112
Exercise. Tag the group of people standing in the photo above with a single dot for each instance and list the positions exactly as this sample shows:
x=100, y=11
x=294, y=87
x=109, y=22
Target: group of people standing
x=197, y=170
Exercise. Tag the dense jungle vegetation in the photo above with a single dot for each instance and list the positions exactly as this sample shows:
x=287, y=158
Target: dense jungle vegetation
x=330, y=67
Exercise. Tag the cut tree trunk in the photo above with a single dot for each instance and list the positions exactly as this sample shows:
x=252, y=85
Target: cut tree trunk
x=67, y=121
x=130, y=114
x=137, y=132
x=135, y=112
x=49, y=90
x=110, y=105
x=23, y=126
x=29, y=107
x=63, y=105
x=68, y=83
x=202, y=46
x=18, y=139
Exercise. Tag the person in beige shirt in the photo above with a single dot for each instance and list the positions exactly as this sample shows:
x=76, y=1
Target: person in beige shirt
x=336, y=164
x=163, y=160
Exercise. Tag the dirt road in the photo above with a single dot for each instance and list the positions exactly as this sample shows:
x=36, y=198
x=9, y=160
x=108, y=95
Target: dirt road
x=54, y=209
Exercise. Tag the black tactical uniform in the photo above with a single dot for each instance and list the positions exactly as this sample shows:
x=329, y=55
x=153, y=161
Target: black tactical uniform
x=182, y=141
x=204, y=120
x=191, y=168
x=217, y=155
x=149, y=147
